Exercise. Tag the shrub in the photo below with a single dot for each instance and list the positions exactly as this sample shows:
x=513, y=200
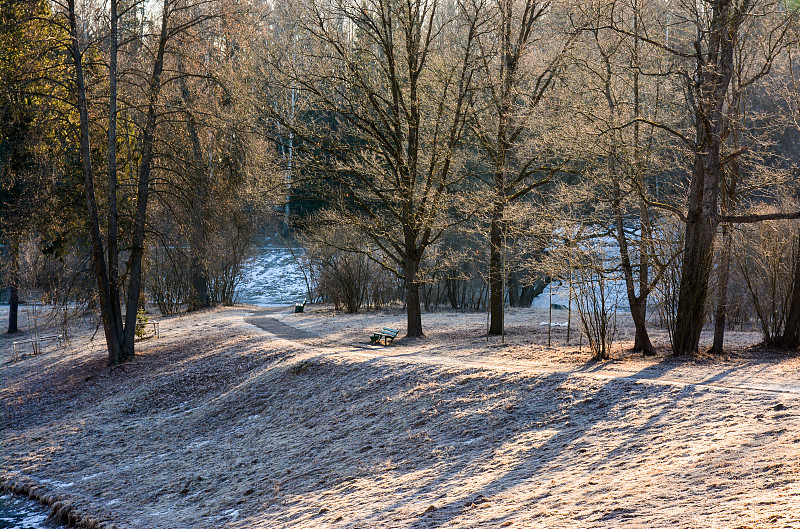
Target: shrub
x=766, y=254
x=228, y=251
x=596, y=297
x=167, y=278
x=342, y=269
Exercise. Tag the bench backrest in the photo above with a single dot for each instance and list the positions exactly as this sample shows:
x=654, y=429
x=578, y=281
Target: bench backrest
x=391, y=331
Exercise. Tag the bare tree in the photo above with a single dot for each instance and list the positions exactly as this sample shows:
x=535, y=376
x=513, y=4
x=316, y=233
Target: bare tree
x=620, y=93
x=702, y=42
x=518, y=66
x=34, y=138
x=391, y=82
x=765, y=254
x=714, y=60
x=791, y=333
x=750, y=125
x=174, y=18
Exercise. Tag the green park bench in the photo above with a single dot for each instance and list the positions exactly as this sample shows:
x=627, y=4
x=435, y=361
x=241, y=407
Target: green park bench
x=387, y=335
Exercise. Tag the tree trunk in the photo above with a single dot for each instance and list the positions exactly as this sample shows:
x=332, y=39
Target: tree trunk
x=714, y=72
x=142, y=192
x=636, y=303
x=413, y=309
x=513, y=289
x=529, y=292
x=112, y=250
x=451, y=291
x=13, y=308
x=642, y=338
x=721, y=311
x=697, y=257
x=728, y=197
x=197, y=240
x=200, y=296
x=496, y=296
x=508, y=61
x=791, y=332
x=13, y=293
x=641, y=341
x=113, y=339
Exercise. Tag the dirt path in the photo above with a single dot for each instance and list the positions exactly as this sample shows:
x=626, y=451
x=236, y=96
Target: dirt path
x=263, y=321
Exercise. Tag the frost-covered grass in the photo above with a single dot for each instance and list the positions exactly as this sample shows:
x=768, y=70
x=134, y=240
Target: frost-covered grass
x=282, y=420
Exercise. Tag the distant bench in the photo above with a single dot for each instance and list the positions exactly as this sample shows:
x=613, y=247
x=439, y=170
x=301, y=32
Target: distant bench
x=36, y=340
x=386, y=334
x=154, y=324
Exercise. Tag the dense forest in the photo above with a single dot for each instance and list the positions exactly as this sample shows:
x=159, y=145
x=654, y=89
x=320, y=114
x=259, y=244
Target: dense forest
x=442, y=152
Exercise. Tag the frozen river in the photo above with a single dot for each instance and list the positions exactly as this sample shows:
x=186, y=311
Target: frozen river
x=273, y=278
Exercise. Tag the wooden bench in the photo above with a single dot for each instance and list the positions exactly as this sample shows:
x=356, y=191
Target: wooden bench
x=35, y=341
x=386, y=334
x=154, y=324
x=299, y=307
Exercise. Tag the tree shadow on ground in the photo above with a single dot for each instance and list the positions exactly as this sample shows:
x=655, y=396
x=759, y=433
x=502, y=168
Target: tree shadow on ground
x=358, y=443
x=418, y=433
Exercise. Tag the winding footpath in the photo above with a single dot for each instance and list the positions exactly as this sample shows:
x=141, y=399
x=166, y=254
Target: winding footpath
x=713, y=376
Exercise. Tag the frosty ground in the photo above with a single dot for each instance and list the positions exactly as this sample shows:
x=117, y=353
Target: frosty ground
x=242, y=417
